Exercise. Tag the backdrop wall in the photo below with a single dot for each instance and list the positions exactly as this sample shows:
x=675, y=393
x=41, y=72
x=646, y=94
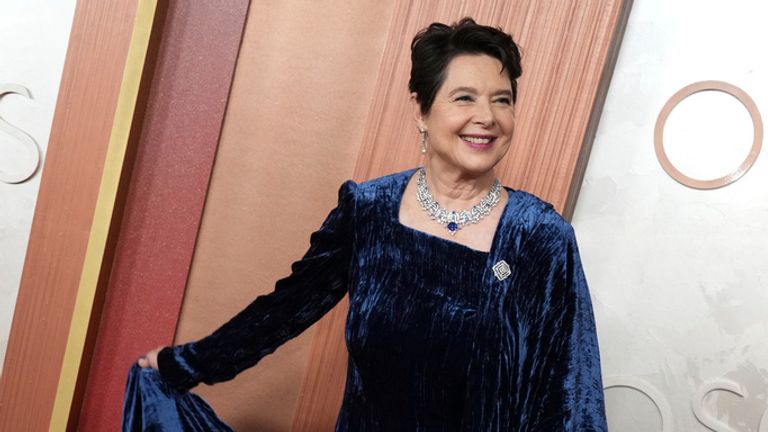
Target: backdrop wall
x=679, y=275
x=33, y=43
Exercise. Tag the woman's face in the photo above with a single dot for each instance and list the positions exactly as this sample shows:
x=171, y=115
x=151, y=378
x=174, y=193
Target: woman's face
x=470, y=124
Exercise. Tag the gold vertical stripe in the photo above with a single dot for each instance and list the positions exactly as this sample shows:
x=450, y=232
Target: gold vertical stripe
x=113, y=166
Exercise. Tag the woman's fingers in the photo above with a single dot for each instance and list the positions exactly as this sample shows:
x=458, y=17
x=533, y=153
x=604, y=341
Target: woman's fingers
x=149, y=360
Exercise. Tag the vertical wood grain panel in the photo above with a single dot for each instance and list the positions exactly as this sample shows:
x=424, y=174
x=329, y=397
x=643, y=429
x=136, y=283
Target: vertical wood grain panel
x=185, y=108
x=61, y=226
x=98, y=255
x=569, y=49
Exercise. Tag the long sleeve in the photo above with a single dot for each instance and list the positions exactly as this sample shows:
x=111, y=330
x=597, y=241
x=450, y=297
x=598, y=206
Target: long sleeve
x=316, y=283
x=565, y=389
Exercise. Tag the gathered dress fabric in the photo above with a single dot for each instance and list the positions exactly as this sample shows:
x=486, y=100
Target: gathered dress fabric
x=152, y=405
x=436, y=341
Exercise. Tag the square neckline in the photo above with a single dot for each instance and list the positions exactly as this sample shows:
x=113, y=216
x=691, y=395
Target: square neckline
x=396, y=218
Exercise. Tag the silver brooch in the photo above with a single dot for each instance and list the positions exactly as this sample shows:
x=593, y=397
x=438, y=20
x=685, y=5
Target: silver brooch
x=501, y=270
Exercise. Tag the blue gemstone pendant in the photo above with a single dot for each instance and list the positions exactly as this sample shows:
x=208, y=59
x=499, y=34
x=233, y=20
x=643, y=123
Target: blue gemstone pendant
x=452, y=227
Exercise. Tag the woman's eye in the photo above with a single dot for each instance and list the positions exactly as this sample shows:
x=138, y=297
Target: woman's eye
x=464, y=98
x=504, y=101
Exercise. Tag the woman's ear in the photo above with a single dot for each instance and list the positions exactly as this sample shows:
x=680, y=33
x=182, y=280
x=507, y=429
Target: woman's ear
x=417, y=116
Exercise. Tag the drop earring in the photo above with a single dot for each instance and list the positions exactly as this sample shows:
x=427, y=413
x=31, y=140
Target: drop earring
x=423, y=140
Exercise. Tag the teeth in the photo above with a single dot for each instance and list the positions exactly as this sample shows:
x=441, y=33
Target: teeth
x=476, y=140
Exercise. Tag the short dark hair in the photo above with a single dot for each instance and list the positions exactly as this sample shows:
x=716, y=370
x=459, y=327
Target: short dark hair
x=434, y=47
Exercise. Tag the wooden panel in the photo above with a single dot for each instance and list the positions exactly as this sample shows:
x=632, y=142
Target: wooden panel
x=185, y=108
x=292, y=133
x=64, y=213
x=569, y=50
x=98, y=255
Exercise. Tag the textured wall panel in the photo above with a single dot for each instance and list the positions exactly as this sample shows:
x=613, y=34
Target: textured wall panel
x=24, y=138
x=678, y=276
x=99, y=253
x=185, y=109
x=80, y=135
x=302, y=90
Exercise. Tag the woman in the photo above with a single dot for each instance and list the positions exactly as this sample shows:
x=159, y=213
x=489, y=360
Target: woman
x=476, y=320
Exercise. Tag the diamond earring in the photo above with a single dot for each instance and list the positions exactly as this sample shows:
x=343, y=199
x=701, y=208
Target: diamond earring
x=423, y=140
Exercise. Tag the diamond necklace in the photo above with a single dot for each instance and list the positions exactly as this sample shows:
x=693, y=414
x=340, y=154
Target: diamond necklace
x=453, y=220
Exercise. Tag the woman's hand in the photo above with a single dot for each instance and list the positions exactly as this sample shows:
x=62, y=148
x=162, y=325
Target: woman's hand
x=149, y=360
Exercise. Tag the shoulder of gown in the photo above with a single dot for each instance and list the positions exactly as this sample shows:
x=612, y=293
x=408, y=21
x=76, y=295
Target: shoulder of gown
x=384, y=188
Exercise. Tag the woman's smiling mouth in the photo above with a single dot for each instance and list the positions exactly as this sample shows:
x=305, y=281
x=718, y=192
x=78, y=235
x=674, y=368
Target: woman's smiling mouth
x=478, y=142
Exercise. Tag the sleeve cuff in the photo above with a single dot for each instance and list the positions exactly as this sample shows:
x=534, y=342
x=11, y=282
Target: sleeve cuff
x=175, y=370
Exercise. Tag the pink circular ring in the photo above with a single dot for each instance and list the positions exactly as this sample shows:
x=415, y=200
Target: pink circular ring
x=757, y=122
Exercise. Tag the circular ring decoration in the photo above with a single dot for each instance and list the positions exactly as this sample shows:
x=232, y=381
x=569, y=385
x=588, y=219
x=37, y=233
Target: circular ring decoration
x=648, y=390
x=658, y=134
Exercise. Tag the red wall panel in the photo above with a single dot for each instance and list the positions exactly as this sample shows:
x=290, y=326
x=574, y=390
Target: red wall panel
x=185, y=109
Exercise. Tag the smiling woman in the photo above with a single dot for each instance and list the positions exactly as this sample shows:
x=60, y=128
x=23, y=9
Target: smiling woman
x=467, y=131
x=469, y=126
x=468, y=308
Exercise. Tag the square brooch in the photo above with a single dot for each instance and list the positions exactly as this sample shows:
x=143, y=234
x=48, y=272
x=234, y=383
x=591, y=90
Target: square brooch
x=501, y=270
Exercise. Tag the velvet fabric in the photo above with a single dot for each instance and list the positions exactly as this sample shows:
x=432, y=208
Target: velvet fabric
x=151, y=405
x=436, y=341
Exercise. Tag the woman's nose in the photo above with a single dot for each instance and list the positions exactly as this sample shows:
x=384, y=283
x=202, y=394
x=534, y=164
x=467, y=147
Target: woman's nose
x=484, y=114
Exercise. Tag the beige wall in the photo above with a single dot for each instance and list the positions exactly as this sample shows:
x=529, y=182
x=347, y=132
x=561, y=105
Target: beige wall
x=678, y=275
x=294, y=125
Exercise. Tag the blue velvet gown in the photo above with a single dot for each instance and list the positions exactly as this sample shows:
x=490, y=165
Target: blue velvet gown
x=437, y=342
